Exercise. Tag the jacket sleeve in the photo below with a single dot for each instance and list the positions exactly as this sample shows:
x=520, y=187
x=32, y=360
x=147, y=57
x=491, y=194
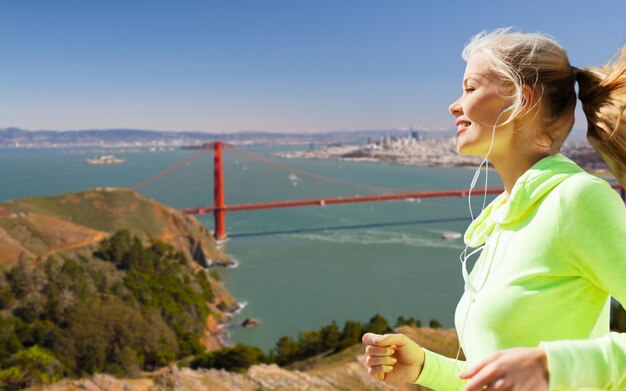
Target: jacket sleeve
x=593, y=224
x=441, y=373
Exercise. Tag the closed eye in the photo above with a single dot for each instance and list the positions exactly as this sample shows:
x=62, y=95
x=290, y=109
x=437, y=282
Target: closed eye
x=469, y=89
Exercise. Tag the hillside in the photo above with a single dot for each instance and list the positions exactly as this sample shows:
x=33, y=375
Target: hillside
x=34, y=228
x=104, y=281
x=344, y=371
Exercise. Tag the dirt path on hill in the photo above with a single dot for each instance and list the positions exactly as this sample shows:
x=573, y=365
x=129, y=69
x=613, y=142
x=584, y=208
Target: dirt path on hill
x=97, y=238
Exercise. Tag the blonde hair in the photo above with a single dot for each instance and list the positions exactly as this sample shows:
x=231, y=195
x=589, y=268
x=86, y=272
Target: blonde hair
x=537, y=60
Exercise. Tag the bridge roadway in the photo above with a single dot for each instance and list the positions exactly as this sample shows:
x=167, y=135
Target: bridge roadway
x=346, y=200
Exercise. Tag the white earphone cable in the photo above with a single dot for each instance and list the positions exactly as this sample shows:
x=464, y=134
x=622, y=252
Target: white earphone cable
x=464, y=256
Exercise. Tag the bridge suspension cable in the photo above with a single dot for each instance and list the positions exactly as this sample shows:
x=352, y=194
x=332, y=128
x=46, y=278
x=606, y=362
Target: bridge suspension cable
x=209, y=147
x=314, y=176
x=173, y=167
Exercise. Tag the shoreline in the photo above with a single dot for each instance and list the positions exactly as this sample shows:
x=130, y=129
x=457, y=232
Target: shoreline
x=446, y=162
x=404, y=155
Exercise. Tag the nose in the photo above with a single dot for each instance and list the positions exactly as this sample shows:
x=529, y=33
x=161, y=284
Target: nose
x=455, y=108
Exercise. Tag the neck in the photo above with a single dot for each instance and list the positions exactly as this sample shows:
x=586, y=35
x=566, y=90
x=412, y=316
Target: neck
x=510, y=168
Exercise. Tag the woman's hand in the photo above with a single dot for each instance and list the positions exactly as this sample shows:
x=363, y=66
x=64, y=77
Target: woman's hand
x=517, y=369
x=393, y=357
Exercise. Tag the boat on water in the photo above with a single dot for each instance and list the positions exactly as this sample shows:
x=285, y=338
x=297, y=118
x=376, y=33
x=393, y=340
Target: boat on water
x=294, y=179
x=450, y=235
x=108, y=159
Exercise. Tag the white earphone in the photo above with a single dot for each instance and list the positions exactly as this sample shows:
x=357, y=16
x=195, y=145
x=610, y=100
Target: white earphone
x=511, y=107
x=486, y=162
x=464, y=256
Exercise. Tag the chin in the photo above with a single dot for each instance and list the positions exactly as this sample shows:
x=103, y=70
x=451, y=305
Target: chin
x=467, y=150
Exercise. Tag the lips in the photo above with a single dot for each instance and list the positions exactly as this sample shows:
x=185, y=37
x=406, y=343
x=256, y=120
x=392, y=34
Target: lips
x=461, y=125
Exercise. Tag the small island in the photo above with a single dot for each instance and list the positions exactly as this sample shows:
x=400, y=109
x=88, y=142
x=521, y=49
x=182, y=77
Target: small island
x=109, y=159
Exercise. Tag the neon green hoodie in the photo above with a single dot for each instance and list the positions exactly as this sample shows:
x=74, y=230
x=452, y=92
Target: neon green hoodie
x=554, y=253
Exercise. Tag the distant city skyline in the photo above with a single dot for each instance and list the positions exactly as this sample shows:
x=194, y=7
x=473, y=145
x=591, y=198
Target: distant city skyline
x=276, y=66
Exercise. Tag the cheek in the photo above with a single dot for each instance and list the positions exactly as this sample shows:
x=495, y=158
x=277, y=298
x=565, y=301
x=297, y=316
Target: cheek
x=483, y=109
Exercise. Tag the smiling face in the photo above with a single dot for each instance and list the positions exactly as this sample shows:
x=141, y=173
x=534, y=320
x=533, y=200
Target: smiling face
x=478, y=108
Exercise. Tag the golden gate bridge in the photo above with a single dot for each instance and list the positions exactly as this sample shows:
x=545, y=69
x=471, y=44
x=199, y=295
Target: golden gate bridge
x=219, y=207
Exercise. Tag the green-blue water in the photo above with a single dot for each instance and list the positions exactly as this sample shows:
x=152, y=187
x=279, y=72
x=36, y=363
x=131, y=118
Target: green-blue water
x=299, y=268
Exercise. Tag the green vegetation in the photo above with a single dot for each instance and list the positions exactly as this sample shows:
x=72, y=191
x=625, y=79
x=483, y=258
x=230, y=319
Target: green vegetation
x=30, y=366
x=434, y=324
x=327, y=340
x=236, y=359
x=412, y=322
x=126, y=309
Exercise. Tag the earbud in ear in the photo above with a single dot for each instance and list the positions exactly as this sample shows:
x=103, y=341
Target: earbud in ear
x=508, y=109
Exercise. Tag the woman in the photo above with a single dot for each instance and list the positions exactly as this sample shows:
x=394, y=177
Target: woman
x=535, y=311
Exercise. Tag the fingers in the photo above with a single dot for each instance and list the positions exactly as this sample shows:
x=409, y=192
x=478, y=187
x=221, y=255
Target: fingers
x=484, y=378
x=385, y=340
x=371, y=350
x=376, y=361
x=474, y=370
x=380, y=350
x=501, y=385
x=380, y=371
x=379, y=359
x=368, y=338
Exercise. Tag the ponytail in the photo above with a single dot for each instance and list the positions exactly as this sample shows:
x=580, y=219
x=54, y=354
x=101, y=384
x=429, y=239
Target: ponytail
x=602, y=92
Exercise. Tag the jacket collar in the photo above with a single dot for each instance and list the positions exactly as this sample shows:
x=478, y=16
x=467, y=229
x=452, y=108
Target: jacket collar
x=528, y=191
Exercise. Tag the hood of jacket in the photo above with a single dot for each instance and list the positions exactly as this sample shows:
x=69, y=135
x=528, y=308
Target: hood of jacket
x=529, y=189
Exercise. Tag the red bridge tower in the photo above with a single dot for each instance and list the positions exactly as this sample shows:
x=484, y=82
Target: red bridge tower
x=218, y=193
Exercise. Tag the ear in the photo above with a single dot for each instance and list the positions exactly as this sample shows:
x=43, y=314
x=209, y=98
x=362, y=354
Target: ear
x=529, y=98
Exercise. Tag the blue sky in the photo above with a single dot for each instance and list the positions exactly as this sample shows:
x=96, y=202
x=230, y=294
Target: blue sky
x=290, y=65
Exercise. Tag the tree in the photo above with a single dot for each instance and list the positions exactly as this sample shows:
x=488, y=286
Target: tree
x=32, y=306
x=161, y=248
x=236, y=359
x=7, y=299
x=329, y=336
x=434, y=324
x=286, y=349
x=203, y=281
x=39, y=332
x=30, y=367
x=100, y=334
x=114, y=248
x=350, y=335
x=402, y=321
x=137, y=258
x=20, y=279
x=9, y=341
x=309, y=344
x=378, y=325
x=160, y=346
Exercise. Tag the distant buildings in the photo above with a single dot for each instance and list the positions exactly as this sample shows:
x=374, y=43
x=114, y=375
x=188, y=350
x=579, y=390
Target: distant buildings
x=421, y=149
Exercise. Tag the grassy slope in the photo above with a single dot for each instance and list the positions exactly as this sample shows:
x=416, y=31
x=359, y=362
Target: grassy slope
x=101, y=210
x=46, y=225
x=337, y=366
x=345, y=371
x=42, y=235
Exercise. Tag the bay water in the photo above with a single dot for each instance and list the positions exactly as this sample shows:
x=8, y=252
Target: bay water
x=298, y=268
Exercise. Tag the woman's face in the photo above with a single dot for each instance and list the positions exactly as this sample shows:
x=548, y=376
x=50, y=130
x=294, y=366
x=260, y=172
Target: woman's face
x=477, y=109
